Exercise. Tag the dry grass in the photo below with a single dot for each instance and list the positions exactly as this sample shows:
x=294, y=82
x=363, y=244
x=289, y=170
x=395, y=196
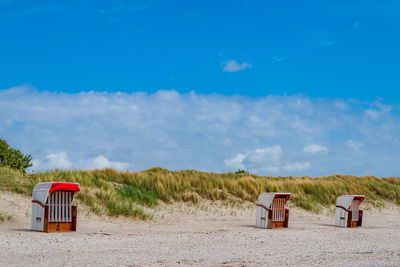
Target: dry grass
x=117, y=193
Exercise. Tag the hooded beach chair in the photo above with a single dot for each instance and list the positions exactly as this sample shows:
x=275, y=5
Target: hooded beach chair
x=348, y=213
x=52, y=208
x=271, y=211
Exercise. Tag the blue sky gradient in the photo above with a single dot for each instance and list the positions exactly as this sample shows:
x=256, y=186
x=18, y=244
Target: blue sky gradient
x=274, y=87
x=346, y=49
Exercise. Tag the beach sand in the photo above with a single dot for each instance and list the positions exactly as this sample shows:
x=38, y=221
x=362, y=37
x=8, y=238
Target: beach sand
x=205, y=238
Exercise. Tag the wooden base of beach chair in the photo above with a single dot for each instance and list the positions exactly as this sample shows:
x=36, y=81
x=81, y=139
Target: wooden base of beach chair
x=60, y=226
x=278, y=224
x=353, y=224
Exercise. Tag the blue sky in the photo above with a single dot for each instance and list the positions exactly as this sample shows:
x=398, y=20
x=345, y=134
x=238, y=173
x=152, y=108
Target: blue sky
x=346, y=49
x=275, y=87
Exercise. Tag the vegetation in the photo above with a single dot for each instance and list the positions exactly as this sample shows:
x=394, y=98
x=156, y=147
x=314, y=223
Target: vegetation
x=240, y=171
x=129, y=193
x=13, y=158
x=4, y=216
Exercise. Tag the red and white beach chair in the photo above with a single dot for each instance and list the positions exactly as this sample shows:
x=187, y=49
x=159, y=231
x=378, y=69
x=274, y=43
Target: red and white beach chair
x=52, y=208
x=348, y=213
x=271, y=210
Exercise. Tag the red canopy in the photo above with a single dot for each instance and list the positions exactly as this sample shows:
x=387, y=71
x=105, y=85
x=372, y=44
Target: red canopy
x=64, y=186
x=361, y=198
x=287, y=196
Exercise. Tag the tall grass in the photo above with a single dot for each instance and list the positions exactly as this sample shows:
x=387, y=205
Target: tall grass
x=126, y=193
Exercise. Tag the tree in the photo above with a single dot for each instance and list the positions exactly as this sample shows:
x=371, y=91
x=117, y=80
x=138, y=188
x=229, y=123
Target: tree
x=13, y=158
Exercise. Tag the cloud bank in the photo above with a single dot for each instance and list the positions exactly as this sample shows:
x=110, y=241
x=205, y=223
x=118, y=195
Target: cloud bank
x=272, y=135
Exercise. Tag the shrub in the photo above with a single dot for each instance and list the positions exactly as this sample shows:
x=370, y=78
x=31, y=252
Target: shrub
x=13, y=158
x=240, y=171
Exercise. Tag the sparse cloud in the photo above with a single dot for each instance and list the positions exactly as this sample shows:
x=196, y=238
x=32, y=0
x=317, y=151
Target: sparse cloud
x=378, y=110
x=79, y=10
x=297, y=166
x=278, y=59
x=326, y=42
x=354, y=145
x=314, y=149
x=123, y=6
x=234, y=66
x=266, y=155
x=374, y=114
x=356, y=25
x=265, y=135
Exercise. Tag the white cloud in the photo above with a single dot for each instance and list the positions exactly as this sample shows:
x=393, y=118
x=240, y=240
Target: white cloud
x=236, y=162
x=101, y=162
x=193, y=131
x=314, y=148
x=354, y=145
x=265, y=161
x=297, y=166
x=259, y=160
x=266, y=155
x=234, y=66
x=57, y=160
x=60, y=160
x=378, y=110
x=374, y=114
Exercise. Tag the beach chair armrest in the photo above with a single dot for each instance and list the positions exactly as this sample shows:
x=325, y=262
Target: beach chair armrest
x=262, y=206
x=341, y=207
x=40, y=203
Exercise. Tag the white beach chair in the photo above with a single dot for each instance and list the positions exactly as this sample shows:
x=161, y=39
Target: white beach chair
x=271, y=211
x=348, y=213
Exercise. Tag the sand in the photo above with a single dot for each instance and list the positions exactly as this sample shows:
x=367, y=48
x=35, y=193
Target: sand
x=213, y=238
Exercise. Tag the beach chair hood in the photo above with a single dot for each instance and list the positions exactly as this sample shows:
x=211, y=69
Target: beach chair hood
x=267, y=198
x=345, y=200
x=42, y=190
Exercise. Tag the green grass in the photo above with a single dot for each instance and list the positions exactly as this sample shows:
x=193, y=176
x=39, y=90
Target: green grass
x=4, y=216
x=116, y=193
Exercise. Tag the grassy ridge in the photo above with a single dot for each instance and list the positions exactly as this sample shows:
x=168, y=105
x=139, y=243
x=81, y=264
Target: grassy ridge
x=125, y=193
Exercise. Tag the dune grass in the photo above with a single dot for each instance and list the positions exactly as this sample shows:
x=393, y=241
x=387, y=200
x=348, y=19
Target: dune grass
x=4, y=216
x=116, y=193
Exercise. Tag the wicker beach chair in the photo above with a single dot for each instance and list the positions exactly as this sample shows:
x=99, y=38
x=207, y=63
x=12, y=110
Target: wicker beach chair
x=272, y=211
x=52, y=208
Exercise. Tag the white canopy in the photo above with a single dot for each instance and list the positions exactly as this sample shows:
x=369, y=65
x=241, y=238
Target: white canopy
x=345, y=200
x=266, y=199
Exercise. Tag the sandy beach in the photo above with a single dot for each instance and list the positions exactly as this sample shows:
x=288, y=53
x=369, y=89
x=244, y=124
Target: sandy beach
x=204, y=238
